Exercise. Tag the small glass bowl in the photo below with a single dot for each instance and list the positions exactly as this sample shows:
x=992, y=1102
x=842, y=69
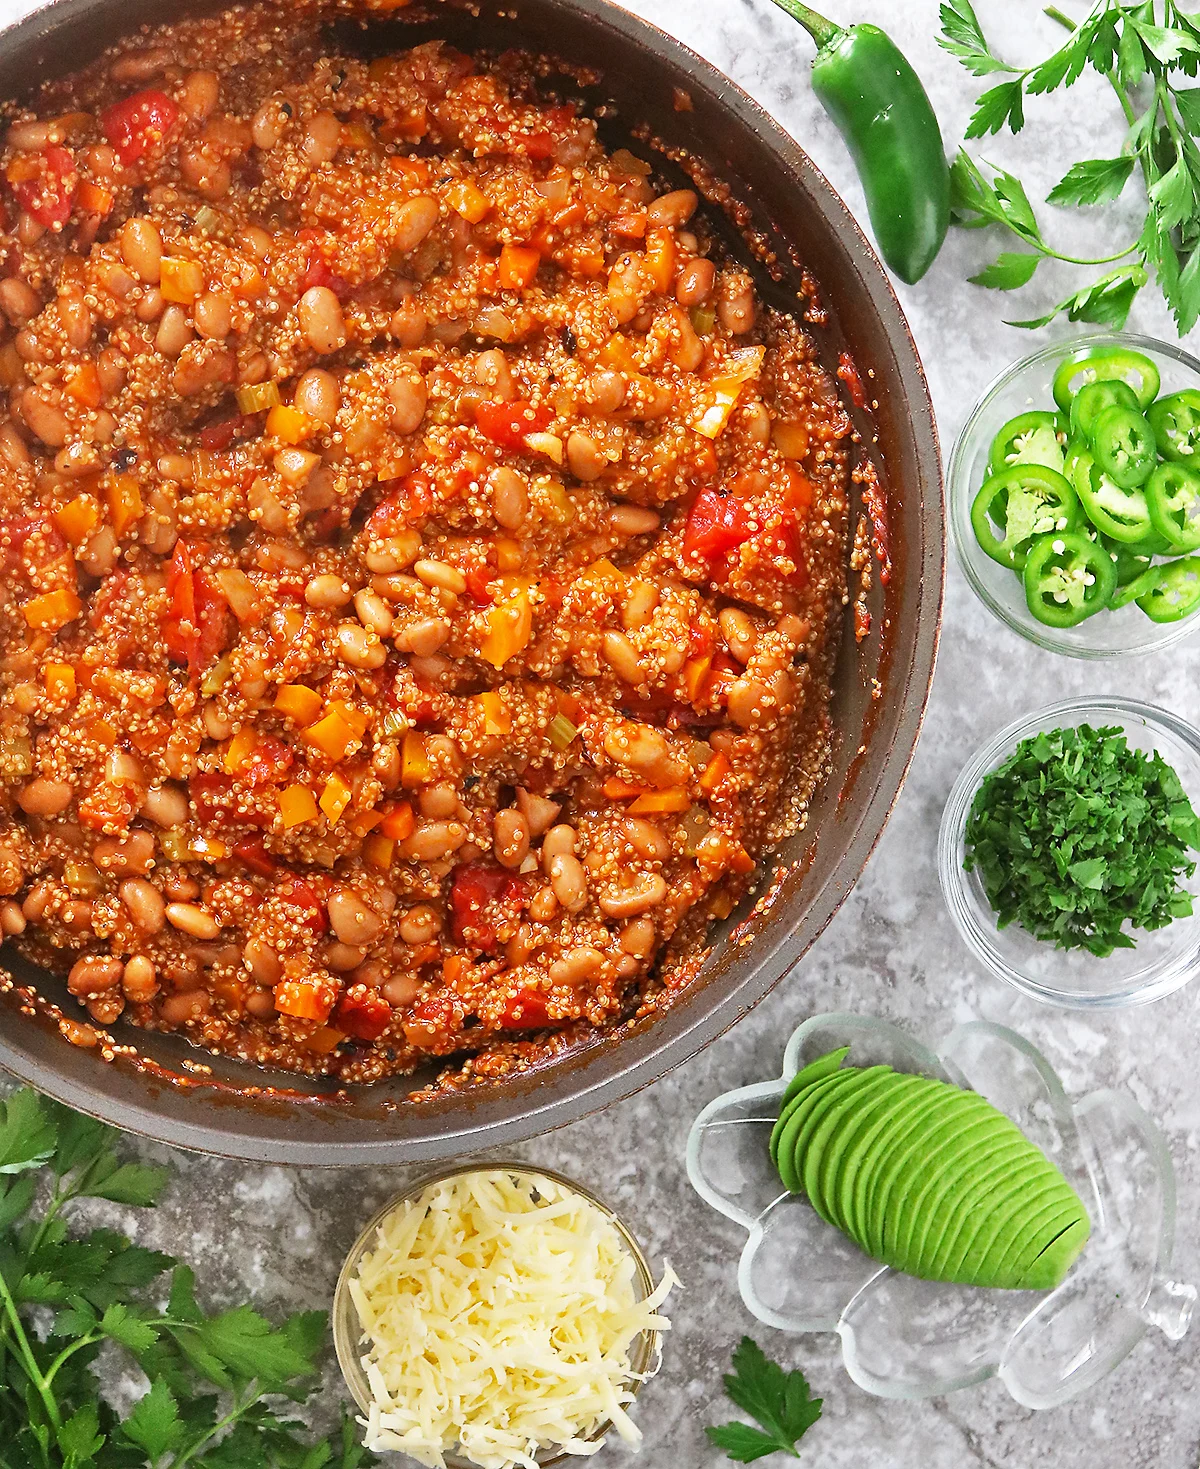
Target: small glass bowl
x=1161, y=962
x=645, y=1352
x=1023, y=387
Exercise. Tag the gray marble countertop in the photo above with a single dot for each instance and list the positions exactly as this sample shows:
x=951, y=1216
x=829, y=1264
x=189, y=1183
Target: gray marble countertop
x=281, y=1233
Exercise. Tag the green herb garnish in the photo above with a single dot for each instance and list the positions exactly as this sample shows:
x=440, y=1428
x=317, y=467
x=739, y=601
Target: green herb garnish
x=66, y=1298
x=779, y=1401
x=1077, y=835
x=1150, y=53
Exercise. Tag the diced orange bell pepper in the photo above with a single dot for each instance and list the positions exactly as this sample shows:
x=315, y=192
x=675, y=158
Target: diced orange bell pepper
x=323, y=1040
x=695, y=671
x=617, y=352
x=496, y=718
x=300, y=703
x=510, y=627
x=59, y=679
x=355, y=718
x=77, y=519
x=290, y=424
x=83, y=384
x=239, y=750
x=518, y=266
x=332, y=736
x=334, y=798
x=398, y=821
x=93, y=199
x=302, y=1001
x=415, y=769
x=660, y=259
x=180, y=279
x=468, y=200
x=715, y=772
x=124, y=503
x=617, y=789
x=652, y=802
x=52, y=610
x=296, y=806
x=378, y=850
x=508, y=554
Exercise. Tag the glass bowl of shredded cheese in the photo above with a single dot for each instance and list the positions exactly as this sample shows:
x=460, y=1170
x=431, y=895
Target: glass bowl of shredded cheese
x=495, y=1317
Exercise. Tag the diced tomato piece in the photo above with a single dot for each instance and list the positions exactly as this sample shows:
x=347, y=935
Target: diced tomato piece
x=319, y=274
x=479, y=579
x=269, y=763
x=45, y=184
x=478, y=894
x=138, y=123
x=526, y=1011
x=108, y=806
x=718, y=524
x=507, y=424
x=297, y=892
x=217, y=436
x=251, y=852
x=541, y=145
x=405, y=501
x=362, y=1013
x=196, y=624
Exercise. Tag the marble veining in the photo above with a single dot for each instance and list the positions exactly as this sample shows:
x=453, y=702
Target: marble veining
x=280, y=1234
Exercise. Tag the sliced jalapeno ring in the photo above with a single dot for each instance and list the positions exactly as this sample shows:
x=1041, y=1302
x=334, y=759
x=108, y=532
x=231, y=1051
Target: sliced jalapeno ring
x=1067, y=577
x=1030, y=438
x=1120, y=513
x=1129, y=562
x=1175, y=593
x=1093, y=398
x=1019, y=503
x=1096, y=364
x=1173, y=499
x=1175, y=419
x=1131, y=591
x=1123, y=446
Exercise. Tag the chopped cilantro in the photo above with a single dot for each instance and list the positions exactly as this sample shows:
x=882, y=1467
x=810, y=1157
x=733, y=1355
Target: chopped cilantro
x=1077, y=837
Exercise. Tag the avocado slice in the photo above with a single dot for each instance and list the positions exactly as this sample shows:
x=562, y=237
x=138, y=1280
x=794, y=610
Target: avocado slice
x=785, y=1159
x=1030, y=1236
x=875, y=1144
x=909, y=1211
x=1025, y=1183
x=1021, y=1256
x=911, y=1119
x=990, y=1183
x=825, y=1142
x=823, y=1066
x=800, y=1130
x=1025, y=1214
x=1049, y=1269
x=936, y=1108
x=854, y=1140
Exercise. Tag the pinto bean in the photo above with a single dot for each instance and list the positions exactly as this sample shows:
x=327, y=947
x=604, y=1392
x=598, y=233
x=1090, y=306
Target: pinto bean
x=350, y=917
x=645, y=891
x=569, y=881
x=510, y=838
x=94, y=974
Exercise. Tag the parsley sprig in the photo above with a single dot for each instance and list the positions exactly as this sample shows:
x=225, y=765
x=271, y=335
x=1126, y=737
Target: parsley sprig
x=778, y=1401
x=1149, y=51
x=1077, y=836
x=218, y=1385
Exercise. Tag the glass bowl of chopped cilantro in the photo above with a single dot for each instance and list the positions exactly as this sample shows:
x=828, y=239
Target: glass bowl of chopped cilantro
x=1074, y=493
x=1068, y=850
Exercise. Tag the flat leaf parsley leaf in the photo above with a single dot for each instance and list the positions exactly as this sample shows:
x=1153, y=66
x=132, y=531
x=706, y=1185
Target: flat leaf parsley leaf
x=105, y=1293
x=1150, y=67
x=779, y=1401
x=1077, y=837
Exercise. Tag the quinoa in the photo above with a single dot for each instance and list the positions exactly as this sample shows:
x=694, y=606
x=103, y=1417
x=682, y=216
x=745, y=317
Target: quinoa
x=421, y=555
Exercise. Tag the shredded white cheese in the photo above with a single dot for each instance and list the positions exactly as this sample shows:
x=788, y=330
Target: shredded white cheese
x=499, y=1311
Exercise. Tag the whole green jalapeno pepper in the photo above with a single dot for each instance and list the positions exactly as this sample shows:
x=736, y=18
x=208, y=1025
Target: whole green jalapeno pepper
x=876, y=100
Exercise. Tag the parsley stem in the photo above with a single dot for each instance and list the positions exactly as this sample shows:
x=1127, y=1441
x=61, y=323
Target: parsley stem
x=205, y=1438
x=25, y=1352
x=67, y=1352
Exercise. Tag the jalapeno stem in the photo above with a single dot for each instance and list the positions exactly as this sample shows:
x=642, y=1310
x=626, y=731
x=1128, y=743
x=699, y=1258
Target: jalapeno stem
x=824, y=32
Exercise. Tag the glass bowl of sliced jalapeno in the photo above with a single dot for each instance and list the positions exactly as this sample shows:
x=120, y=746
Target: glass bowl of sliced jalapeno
x=1157, y=951
x=1075, y=496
